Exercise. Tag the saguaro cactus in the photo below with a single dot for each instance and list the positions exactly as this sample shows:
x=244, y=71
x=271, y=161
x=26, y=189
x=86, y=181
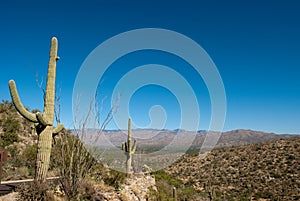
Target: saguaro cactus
x=174, y=193
x=43, y=122
x=128, y=149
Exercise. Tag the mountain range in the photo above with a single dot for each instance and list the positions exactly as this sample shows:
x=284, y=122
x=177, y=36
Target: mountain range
x=151, y=139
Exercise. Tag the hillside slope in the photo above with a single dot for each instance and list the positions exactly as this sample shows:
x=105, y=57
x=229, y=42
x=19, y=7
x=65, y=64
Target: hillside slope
x=269, y=170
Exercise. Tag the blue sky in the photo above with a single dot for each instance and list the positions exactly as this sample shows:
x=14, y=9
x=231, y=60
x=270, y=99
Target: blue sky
x=254, y=44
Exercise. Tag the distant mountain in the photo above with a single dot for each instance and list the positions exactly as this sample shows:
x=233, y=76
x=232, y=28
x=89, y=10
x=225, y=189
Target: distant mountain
x=156, y=139
x=242, y=137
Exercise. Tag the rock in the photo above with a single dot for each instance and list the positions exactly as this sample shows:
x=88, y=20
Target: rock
x=135, y=188
x=9, y=197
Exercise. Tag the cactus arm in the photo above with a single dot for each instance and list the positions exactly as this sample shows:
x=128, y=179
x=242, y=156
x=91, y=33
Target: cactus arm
x=42, y=120
x=32, y=127
x=50, y=86
x=129, y=128
x=129, y=135
x=58, y=129
x=134, y=147
x=17, y=102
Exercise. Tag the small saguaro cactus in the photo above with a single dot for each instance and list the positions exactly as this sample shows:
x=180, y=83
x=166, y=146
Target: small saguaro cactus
x=43, y=123
x=174, y=193
x=128, y=149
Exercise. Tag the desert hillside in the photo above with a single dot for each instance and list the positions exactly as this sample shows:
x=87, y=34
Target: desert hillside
x=269, y=170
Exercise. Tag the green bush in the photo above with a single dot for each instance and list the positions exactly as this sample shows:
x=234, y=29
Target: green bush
x=6, y=105
x=10, y=127
x=264, y=194
x=165, y=184
x=162, y=175
x=15, y=160
x=114, y=178
x=29, y=158
x=8, y=138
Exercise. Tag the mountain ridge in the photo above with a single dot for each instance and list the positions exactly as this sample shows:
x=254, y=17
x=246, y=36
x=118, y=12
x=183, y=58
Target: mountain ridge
x=157, y=139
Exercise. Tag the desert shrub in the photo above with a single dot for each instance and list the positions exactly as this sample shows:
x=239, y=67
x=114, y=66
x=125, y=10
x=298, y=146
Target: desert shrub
x=98, y=172
x=264, y=194
x=165, y=184
x=11, y=125
x=73, y=163
x=187, y=193
x=6, y=105
x=10, y=128
x=164, y=191
x=35, y=192
x=75, y=155
x=114, y=178
x=8, y=138
x=87, y=190
x=162, y=175
x=291, y=157
x=14, y=158
x=29, y=157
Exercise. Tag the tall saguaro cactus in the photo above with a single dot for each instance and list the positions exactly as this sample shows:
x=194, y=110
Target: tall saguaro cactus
x=129, y=150
x=43, y=122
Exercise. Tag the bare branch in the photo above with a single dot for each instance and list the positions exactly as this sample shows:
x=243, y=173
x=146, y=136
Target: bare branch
x=40, y=84
x=77, y=151
x=57, y=105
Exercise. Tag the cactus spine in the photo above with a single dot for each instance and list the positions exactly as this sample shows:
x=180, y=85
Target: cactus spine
x=128, y=149
x=43, y=122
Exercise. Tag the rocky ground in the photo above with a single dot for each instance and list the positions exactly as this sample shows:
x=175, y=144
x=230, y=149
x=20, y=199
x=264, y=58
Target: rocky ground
x=9, y=197
x=135, y=188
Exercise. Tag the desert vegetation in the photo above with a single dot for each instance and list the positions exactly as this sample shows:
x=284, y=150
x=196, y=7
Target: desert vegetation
x=245, y=165
x=268, y=170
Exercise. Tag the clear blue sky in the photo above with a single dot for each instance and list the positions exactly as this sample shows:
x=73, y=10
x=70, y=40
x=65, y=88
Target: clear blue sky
x=254, y=44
